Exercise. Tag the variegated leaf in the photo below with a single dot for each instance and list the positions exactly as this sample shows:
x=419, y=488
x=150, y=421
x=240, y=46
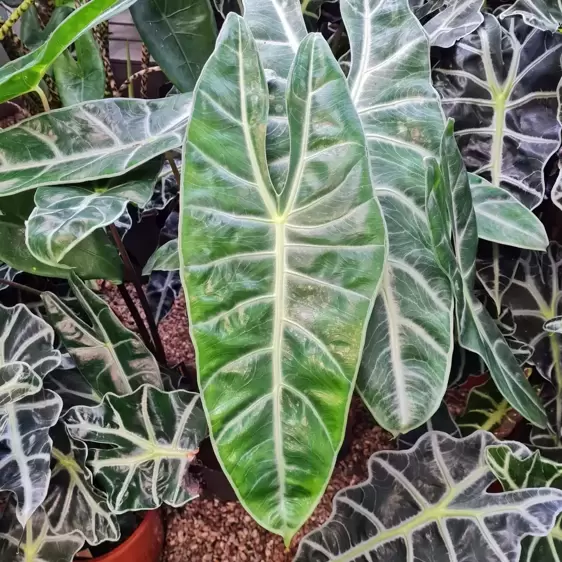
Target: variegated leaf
x=165, y=258
x=457, y=19
x=140, y=445
x=544, y=14
x=430, y=503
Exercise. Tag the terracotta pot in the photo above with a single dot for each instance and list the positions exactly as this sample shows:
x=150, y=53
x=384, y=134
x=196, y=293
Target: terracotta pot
x=144, y=545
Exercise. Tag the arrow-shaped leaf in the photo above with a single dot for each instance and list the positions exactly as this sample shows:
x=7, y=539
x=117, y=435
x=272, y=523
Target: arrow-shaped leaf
x=89, y=141
x=491, y=82
x=431, y=503
x=407, y=358
x=140, y=445
x=109, y=356
x=277, y=319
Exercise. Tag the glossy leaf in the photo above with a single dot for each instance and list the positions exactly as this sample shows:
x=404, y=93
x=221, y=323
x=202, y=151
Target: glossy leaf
x=109, y=356
x=165, y=258
x=409, y=345
x=277, y=322
x=81, y=77
x=24, y=74
x=73, y=504
x=89, y=141
x=179, y=35
x=65, y=216
x=152, y=436
x=25, y=452
x=73, y=387
x=163, y=289
x=554, y=325
x=544, y=14
x=36, y=542
x=501, y=84
x=533, y=297
x=450, y=210
x=8, y=274
x=94, y=258
x=26, y=350
x=431, y=503
x=455, y=21
x=531, y=472
x=501, y=218
x=488, y=410
x=278, y=28
x=165, y=190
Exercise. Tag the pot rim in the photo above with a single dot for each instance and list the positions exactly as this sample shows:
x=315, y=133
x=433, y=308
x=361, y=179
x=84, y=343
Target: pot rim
x=149, y=519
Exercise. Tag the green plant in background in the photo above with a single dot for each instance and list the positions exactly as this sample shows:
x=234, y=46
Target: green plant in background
x=324, y=219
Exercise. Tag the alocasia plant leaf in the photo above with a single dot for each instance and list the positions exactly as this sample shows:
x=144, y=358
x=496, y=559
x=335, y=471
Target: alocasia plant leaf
x=311, y=8
x=165, y=258
x=66, y=215
x=278, y=28
x=163, y=289
x=73, y=504
x=223, y=7
x=179, y=35
x=109, y=356
x=94, y=258
x=409, y=345
x=532, y=294
x=278, y=324
x=80, y=77
x=89, y=141
x=450, y=211
x=492, y=82
x=152, y=436
x=531, y=472
x=502, y=218
x=24, y=74
x=544, y=14
x=456, y=20
x=8, y=274
x=73, y=387
x=430, y=503
x=35, y=542
x=554, y=325
x=165, y=190
x=25, y=449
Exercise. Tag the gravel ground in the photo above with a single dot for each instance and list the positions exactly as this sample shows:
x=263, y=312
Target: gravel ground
x=212, y=530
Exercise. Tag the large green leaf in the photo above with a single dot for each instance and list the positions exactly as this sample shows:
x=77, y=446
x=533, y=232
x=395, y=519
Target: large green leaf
x=36, y=541
x=407, y=358
x=140, y=445
x=25, y=73
x=279, y=283
x=501, y=218
x=179, y=35
x=531, y=472
x=73, y=504
x=544, y=14
x=430, y=503
x=80, y=77
x=89, y=141
x=66, y=215
x=501, y=85
x=165, y=258
x=450, y=210
x=94, y=258
x=25, y=449
x=109, y=356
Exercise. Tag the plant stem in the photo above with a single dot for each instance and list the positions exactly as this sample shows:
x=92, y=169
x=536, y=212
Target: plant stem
x=160, y=354
x=19, y=286
x=130, y=88
x=14, y=17
x=44, y=100
x=136, y=317
x=175, y=170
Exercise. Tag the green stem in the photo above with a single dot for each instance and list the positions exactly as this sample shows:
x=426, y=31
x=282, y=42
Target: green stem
x=14, y=17
x=131, y=86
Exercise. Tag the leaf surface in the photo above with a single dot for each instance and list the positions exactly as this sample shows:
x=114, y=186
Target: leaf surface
x=179, y=35
x=431, y=503
x=544, y=14
x=455, y=21
x=279, y=283
x=89, y=141
x=109, y=356
x=492, y=82
x=165, y=258
x=407, y=357
x=152, y=436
